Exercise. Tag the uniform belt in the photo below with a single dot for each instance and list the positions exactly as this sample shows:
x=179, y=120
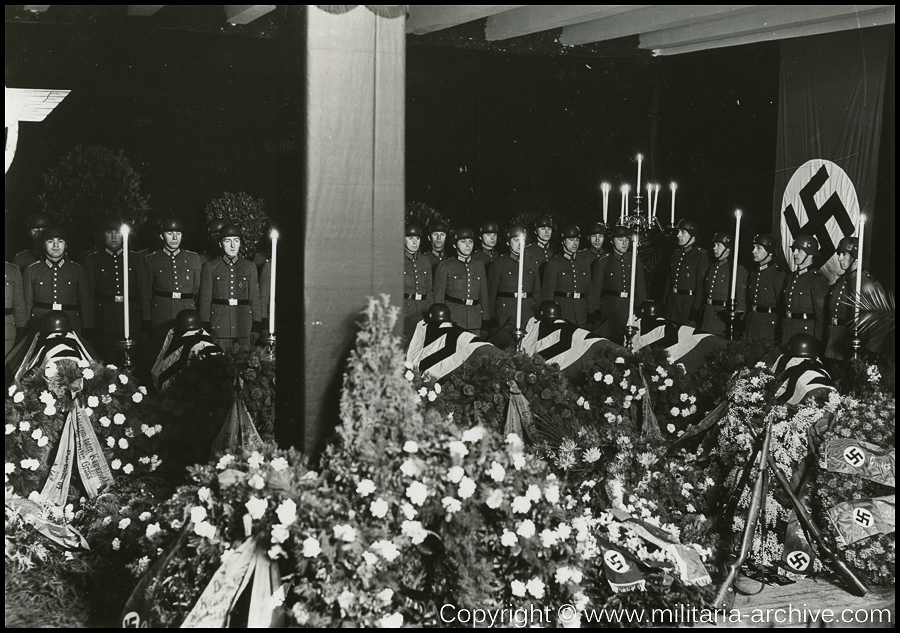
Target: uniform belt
x=837, y=321
x=764, y=309
x=570, y=295
x=465, y=302
x=713, y=302
x=414, y=296
x=116, y=298
x=801, y=315
x=55, y=306
x=679, y=291
x=615, y=293
x=173, y=295
x=513, y=295
x=231, y=302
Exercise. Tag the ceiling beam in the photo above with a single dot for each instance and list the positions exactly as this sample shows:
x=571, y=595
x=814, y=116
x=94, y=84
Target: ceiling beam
x=645, y=19
x=870, y=18
x=543, y=17
x=37, y=8
x=426, y=18
x=142, y=10
x=246, y=13
x=758, y=22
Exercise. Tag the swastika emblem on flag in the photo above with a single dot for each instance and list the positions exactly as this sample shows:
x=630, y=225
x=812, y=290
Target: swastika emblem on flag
x=862, y=517
x=854, y=456
x=615, y=561
x=819, y=200
x=798, y=560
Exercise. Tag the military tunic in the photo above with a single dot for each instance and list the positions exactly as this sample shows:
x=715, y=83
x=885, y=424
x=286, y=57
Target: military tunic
x=840, y=312
x=591, y=254
x=170, y=283
x=15, y=315
x=486, y=256
x=567, y=280
x=683, y=293
x=417, y=289
x=461, y=284
x=763, y=297
x=26, y=258
x=229, y=300
x=61, y=285
x=610, y=291
x=541, y=254
x=503, y=283
x=717, y=295
x=436, y=257
x=804, y=296
x=104, y=271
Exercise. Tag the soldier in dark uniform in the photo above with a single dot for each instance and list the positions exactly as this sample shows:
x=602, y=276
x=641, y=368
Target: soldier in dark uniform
x=717, y=287
x=683, y=293
x=15, y=317
x=461, y=283
x=597, y=235
x=611, y=286
x=37, y=222
x=437, y=235
x=542, y=250
x=105, y=273
x=487, y=250
x=804, y=293
x=417, y=286
x=214, y=229
x=839, y=304
x=764, y=291
x=170, y=281
x=567, y=278
x=503, y=284
x=229, y=295
x=57, y=283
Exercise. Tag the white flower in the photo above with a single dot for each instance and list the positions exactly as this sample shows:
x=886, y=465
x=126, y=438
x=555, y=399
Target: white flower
x=365, y=487
x=385, y=596
x=123, y=379
x=410, y=468
x=286, y=511
x=608, y=379
x=137, y=396
x=18, y=397
x=37, y=434
x=311, y=548
x=225, y=461
x=88, y=411
x=142, y=389
x=455, y=474
x=116, y=464
x=451, y=505
x=408, y=511
x=145, y=516
x=669, y=382
x=497, y=472
x=549, y=538
x=278, y=464
x=458, y=449
x=93, y=402
x=533, y=493
x=43, y=442
x=24, y=426
x=256, y=481
x=620, y=361
x=409, y=375
x=690, y=508
x=423, y=391
x=518, y=461
x=563, y=574
x=495, y=499
x=580, y=401
x=256, y=507
x=119, y=419
x=203, y=494
x=256, y=460
x=535, y=587
x=152, y=530
x=10, y=428
x=417, y=492
x=12, y=389
x=508, y=539
x=112, y=387
x=10, y=468
x=386, y=549
x=514, y=441
x=105, y=422
x=414, y=530
x=526, y=529
x=587, y=405
x=346, y=533
x=410, y=447
x=675, y=412
x=370, y=558
x=466, y=488
x=670, y=427
x=475, y=434
x=198, y=514
x=564, y=531
x=123, y=443
x=124, y=523
x=598, y=376
x=392, y=621
x=49, y=410
x=432, y=396
x=205, y=530
x=551, y=493
x=280, y=533
x=521, y=505
x=518, y=588
x=116, y=544
x=379, y=508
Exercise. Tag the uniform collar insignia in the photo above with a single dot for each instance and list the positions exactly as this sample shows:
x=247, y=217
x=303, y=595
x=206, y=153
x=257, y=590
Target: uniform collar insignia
x=464, y=259
x=172, y=253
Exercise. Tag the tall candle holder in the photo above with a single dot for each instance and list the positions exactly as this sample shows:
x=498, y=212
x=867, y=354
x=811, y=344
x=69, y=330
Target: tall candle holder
x=630, y=333
x=270, y=347
x=127, y=347
x=520, y=336
x=731, y=317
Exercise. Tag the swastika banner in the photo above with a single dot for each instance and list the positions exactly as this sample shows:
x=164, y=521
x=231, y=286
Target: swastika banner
x=862, y=518
x=829, y=131
x=859, y=458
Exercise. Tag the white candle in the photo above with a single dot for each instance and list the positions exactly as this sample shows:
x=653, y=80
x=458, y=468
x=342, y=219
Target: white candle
x=625, y=191
x=859, y=263
x=673, y=187
x=274, y=236
x=649, y=202
x=521, y=242
x=638, y=187
x=634, y=249
x=737, y=241
x=605, y=189
x=655, y=198
x=125, y=232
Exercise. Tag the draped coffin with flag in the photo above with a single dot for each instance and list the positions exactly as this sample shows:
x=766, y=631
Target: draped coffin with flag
x=682, y=343
x=177, y=351
x=563, y=343
x=831, y=98
x=436, y=349
x=51, y=348
x=800, y=378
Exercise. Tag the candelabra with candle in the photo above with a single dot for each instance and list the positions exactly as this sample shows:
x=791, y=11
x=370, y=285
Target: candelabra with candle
x=128, y=343
x=270, y=339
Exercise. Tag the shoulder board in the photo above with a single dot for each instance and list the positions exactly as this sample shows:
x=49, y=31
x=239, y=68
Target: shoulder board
x=32, y=264
x=184, y=250
x=700, y=248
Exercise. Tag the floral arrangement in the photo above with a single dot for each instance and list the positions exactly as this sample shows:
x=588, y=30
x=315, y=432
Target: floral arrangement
x=126, y=422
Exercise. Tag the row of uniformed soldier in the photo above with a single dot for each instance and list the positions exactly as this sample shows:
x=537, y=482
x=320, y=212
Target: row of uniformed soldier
x=225, y=290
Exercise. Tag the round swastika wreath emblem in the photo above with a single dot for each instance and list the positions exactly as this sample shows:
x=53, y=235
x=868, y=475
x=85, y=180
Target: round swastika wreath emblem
x=798, y=560
x=615, y=561
x=854, y=456
x=819, y=200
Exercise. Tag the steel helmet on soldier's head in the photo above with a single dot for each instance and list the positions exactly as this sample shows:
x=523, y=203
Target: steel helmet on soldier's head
x=464, y=233
x=54, y=232
x=438, y=227
x=550, y=310
x=806, y=243
x=544, y=220
x=488, y=227
x=803, y=345
x=413, y=230
x=686, y=224
x=188, y=320
x=570, y=231
x=722, y=238
x=766, y=241
x=215, y=227
x=39, y=221
x=112, y=224
x=596, y=228
x=516, y=231
x=620, y=231
x=849, y=245
x=230, y=230
x=439, y=313
x=171, y=224
x=55, y=321
x=650, y=308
